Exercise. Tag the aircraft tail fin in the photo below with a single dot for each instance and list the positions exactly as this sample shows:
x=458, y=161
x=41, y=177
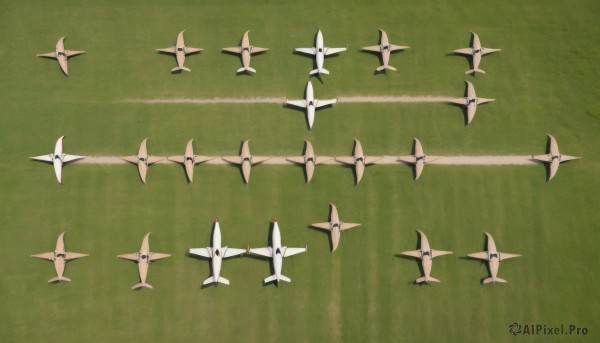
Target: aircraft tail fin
x=223, y=280
x=386, y=67
x=274, y=278
x=180, y=69
x=427, y=279
x=59, y=278
x=490, y=279
x=471, y=71
x=243, y=69
x=142, y=284
x=317, y=71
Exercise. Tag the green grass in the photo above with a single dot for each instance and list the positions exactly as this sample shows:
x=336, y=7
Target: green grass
x=544, y=81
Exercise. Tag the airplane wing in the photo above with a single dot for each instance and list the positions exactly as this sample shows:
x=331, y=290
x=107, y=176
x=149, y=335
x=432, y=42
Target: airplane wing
x=398, y=47
x=324, y=226
x=45, y=256
x=299, y=159
x=233, y=159
x=259, y=159
x=506, y=256
x=170, y=50
x=70, y=53
x=489, y=51
x=564, y=158
x=201, y=159
x=131, y=159
x=333, y=51
x=373, y=48
x=49, y=54
x=204, y=252
x=256, y=50
x=233, y=49
x=459, y=101
x=345, y=159
x=412, y=253
x=321, y=159
x=157, y=256
x=267, y=252
x=372, y=159
x=483, y=100
x=346, y=226
x=287, y=252
x=192, y=50
x=298, y=103
x=43, y=158
x=230, y=252
x=465, y=51
x=479, y=255
x=310, y=51
x=436, y=253
x=74, y=255
x=178, y=159
x=543, y=158
x=71, y=158
x=154, y=159
x=132, y=256
x=321, y=103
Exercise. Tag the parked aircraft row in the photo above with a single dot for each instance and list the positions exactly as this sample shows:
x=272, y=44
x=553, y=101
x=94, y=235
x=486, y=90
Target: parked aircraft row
x=246, y=50
x=359, y=160
x=276, y=252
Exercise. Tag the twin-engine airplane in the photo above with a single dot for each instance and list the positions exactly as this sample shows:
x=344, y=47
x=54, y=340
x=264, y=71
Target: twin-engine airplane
x=309, y=160
x=359, y=160
x=470, y=101
x=385, y=49
x=61, y=55
x=320, y=51
x=143, y=258
x=246, y=160
x=334, y=226
x=310, y=104
x=189, y=160
x=426, y=255
x=553, y=157
x=217, y=254
x=58, y=158
x=493, y=258
x=246, y=50
x=142, y=160
x=180, y=50
x=477, y=52
x=419, y=159
x=60, y=257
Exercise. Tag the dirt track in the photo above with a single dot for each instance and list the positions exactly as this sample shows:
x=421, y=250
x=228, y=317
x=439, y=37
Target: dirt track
x=281, y=100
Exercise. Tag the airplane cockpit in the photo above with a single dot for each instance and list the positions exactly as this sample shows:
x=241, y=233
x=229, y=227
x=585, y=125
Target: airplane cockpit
x=310, y=103
x=472, y=101
x=278, y=252
x=245, y=49
x=477, y=51
x=60, y=255
x=320, y=50
x=189, y=158
x=143, y=257
x=419, y=158
x=248, y=159
x=490, y=256
x=60, y=53
x=217, y=252
x=359, y=159
x=57, y=157
x=310, y=159
x=142, y=159
x=179, y=49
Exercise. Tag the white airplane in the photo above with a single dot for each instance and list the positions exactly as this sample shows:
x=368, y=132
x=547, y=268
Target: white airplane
x=419, y=159
x=493, y=257
x=217, y=254
x=359, y=160
x=58, y=159
x=470, y=101
x=61, y=55
x=553, y=157
x=477, y=51
x=310, y=103
x=246, y=50
x=189, y=160
x=277, y=252
x=426, y=255
x=180, y=50
x=319, y=51
x=385, y=49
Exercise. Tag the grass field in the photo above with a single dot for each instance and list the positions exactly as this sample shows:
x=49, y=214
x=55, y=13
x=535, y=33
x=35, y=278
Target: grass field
x=544, y=80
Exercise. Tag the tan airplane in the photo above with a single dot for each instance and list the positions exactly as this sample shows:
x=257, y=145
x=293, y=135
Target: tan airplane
x=246, y=50
x=419, y=159
x=143, y=258
x=335, y=226
x=426, y=255
x=189, y=160
x=477, y=51
x=470, y=101
x=385, y=49
x=60, y=257
x=309, y=160
x=62, y=55
x=359, y=160
x=553, y=157
x=246, y=159
x=142, y=160
x=493, y=257
x=180, y=50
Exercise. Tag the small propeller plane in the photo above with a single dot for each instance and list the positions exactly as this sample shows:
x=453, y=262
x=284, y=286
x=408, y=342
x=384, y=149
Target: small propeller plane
x=384, y=49
x=493, y=258
x=58, y=158
x=320, y=51
x=359, y=160
x=470, y=101
x=310, y=104
x=246, y=160
x=217, y=254
x=246, y=50
x=334, y=226
x=180, y=50
x=419, y=159
x=143, y=258
x=309, y=160
x=142, y=160
x=477, y=52
x=426, y=255
x=62, y=55
x=60, y=257
x=553, y=157
x=189, y=160
x=277, y=252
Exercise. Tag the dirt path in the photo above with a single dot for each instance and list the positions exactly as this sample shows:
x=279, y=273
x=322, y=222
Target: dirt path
x=281, y=100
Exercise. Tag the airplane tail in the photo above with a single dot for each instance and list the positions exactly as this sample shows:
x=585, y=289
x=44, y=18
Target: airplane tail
x=59, y=278
x=317, y=71
x=180, y=69
x=211, y=279
x=490, y=279
x=386, y=67
x=243, y=69
x=274, y=278
x=470, y=71
x=427, y=279
x=142, y=284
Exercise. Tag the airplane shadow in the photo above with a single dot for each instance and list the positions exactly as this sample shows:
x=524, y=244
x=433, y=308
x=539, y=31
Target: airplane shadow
x=464, y=112
x=299, y=109
x=326, y=232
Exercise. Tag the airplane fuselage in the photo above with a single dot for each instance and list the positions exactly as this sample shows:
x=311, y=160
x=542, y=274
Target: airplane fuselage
x=143, y=263
x=310, y=105
x=319, y=51
x=277, y=251
x=217, y=252
x=57, y=159
x=59, y=260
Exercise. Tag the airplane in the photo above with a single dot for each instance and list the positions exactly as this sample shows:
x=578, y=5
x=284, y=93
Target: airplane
x=60, y=257
x=217, y=254
x=426, y=255
x=277, y=252
x=359, y=160
x=309, y=160
x=553, y=157
x=385, y=49
x=189, y=160
x=180, y=50
x=62, y=55
x=143, y=258
x=58, y=159
x=470, y=101
x=335, y=226
x=319, y=51
x=419, y=159
x=477, y=52
x=142, y=160
x=246, y=159
x=310, y=103
x=246, y=50
x=493, y=257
